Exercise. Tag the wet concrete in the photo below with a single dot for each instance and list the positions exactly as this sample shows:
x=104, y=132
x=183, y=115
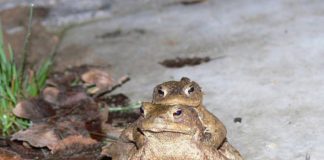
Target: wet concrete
x=269, y=74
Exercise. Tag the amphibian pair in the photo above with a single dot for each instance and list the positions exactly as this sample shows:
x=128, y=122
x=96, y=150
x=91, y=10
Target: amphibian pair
x=166, y=132
x=175, y=126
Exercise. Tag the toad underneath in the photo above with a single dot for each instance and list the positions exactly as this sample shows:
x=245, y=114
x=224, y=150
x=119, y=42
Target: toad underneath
x=168, y=132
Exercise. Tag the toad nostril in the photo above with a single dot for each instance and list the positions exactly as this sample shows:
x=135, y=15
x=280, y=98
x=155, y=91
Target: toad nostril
x=161, y=117
x=158, y=119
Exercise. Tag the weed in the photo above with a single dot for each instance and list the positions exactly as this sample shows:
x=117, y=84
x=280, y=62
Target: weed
x=128, y=108
x=16, y=84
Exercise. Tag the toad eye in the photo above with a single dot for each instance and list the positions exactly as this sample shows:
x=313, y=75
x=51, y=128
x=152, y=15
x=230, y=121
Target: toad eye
x=177, y=113
x=189, y=90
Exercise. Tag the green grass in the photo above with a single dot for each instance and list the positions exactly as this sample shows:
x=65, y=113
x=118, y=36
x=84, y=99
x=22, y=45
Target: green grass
x=17, y=84
x=128, y=108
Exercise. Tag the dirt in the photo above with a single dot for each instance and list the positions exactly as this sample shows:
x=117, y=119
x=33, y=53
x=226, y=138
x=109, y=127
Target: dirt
x=119, y=32
x=181, y=62
x=237, y=120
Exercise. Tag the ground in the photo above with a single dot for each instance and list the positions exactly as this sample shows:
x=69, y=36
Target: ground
x=266, y=68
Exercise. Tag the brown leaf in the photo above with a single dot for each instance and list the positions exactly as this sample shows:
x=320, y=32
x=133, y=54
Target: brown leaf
x=74, y=144
x=50, y=94
x=33, y=109
x=101, y=92
x=16, y=148
x=39, y=135
x=98, y=77
x=48, y=133
x=8, y=155
x=83, y=111
x=71, y=98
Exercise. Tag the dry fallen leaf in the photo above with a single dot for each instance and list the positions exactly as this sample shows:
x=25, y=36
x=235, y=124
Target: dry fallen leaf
x=66, y=120
x=50, y=94
x=98, y=77
x=33, y=109
x=77, y=120
x=74, y=144
x=8, y=155
x=38, y=135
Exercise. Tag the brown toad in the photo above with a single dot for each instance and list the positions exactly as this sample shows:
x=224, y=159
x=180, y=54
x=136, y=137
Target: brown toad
x=168, y=132
x=187, y=92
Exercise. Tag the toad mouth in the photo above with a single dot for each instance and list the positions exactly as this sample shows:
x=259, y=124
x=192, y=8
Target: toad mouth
x=154, y=130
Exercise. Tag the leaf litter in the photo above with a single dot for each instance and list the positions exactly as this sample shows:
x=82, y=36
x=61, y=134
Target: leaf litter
x=72, y=117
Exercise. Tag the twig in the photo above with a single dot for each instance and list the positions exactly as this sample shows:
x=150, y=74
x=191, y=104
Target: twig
x=110, y=89
x=108, y=137
x=60, y=37
x=127, y=108
x=26, y=43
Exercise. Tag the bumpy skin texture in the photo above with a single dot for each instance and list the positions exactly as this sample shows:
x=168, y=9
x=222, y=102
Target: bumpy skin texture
x=229, y=151
x=187, y=92
x=172, y=132
x=167, y=132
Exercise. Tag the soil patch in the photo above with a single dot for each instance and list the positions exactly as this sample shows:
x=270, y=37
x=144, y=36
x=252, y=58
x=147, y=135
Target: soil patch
x=181, y=62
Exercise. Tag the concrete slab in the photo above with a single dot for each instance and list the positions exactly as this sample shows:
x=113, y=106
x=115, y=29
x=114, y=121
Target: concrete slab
x=271, y=73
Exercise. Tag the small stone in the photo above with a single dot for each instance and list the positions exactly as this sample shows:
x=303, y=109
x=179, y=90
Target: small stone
x=237, y=120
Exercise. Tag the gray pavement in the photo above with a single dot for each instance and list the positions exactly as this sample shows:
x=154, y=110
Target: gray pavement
x=270, y=74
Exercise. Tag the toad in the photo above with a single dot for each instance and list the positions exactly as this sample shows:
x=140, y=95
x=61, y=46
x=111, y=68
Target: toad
x=169, y=132
x=189, y=93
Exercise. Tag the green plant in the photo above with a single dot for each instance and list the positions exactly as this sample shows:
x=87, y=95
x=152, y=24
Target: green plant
x=16, y=84
x=127, y=108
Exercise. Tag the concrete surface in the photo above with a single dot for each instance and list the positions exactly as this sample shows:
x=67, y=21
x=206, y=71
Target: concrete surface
x=270, y=73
